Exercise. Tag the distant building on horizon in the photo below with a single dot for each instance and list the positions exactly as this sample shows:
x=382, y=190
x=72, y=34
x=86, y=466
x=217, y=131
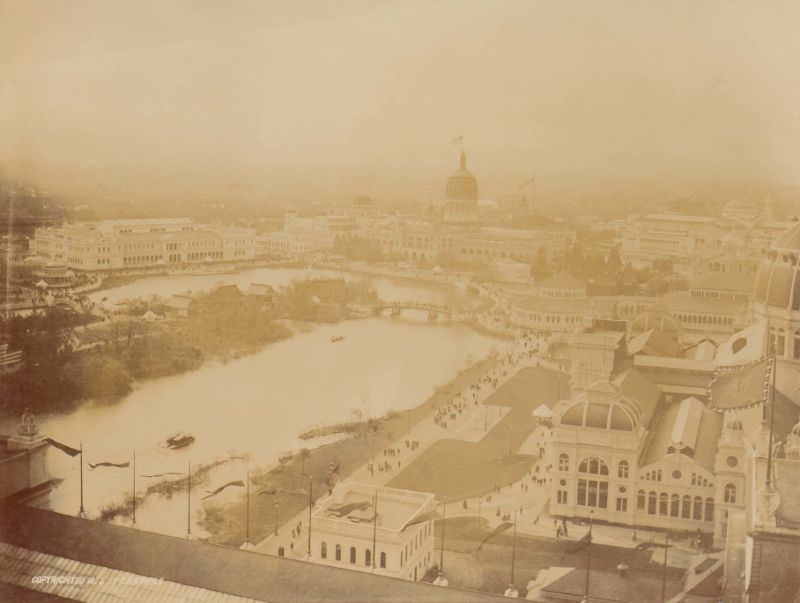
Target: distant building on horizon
x=110, y=245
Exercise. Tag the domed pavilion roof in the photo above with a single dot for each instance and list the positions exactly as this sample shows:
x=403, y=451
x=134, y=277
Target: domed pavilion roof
x=778, y=277
x=461, y=185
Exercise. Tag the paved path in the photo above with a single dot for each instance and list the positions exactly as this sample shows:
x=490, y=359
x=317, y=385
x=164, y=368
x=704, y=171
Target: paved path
x=426, y=433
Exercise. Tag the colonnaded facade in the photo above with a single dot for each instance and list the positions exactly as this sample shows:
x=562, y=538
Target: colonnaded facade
x=141, y=243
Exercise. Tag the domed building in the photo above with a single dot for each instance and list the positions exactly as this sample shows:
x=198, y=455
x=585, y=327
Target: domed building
x=461, y=195
x=777, y=293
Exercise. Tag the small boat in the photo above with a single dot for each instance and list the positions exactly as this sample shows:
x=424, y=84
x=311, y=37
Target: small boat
x=337, y=338
x=179, y=440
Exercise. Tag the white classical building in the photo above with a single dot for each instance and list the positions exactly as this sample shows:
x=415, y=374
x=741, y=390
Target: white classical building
x=141, y=243
x=302, y=235
x=377, y=529
x=700, y=245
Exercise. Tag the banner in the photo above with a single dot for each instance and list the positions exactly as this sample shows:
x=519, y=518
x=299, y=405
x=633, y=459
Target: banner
x=63, y=447
x=581, y=544
x=237, y=482
x=107, y=464
x=498, y=530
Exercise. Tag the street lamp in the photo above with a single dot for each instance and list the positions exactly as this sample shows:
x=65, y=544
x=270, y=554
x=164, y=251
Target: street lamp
x=276, y=517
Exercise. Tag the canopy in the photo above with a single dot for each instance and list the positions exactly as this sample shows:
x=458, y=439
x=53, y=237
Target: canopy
x=543, y=412
x=41, y=284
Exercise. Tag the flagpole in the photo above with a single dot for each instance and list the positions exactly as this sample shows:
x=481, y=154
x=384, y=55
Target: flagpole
x=374, y=528
x=513, y=547
x=664, y=572
x=444, y=524
x=588, y=559
x=310, y=503
x=82, y=512
x=247, y=509
x=189, y=501
x=134, y=487
x=772, y=415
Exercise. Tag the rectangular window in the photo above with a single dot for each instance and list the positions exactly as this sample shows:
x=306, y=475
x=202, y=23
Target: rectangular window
x=603, y=498
x=582, y=492
x=592, y=498
x=622, y=504
x=562, y=497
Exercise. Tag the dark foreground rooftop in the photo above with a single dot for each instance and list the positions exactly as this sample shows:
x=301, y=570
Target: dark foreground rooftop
x=224, y=570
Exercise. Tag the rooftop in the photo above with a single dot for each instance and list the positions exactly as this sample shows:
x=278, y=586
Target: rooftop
x=355, y=503
x=240, y=573
x=688, y=427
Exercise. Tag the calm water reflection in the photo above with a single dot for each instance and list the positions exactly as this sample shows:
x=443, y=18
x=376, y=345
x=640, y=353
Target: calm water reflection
x=255, y=405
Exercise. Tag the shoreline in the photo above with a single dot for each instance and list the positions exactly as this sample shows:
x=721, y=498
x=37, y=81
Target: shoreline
x=348, y=454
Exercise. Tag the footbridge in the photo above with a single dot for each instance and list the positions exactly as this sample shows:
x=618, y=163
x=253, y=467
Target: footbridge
x=434, y=311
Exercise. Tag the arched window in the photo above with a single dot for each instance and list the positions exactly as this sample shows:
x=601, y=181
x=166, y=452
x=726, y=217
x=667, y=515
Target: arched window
x=563, y=462
x=663, y=504
x=651, y=503
x=323, y=550
x=686, y=507
x=352, y=554
x=594, y=466
x=674, y=505
x=641, y=500
x=338, y=552
x=367, y=557
x=383, y=560
x=697, y=509
x=730, y=493
x=709, y=516
x=623, y=469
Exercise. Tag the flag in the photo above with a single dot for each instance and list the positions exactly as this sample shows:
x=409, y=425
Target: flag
x=107, y=464
x=458, y=140
x=498, y=530
x=422, y=518
x=63, y=447
x=237, y=482
x=347, y=508
x=268, y=490
x=581, y=544
x=161, y=474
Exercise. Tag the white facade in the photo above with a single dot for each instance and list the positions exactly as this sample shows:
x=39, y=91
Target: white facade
x=345, y=531
x=301, y=235
x=145, y=243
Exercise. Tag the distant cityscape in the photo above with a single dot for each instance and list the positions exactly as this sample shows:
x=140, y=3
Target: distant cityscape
x=677, y=337
x=399, y=302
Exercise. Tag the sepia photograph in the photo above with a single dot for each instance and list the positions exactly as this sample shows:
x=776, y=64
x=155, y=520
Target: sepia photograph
x=400, y=301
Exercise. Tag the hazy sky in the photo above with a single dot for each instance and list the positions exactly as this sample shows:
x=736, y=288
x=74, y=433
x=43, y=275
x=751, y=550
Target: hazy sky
x=349, y=96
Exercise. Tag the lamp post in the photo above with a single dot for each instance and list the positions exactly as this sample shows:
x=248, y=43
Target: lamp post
x=82, y=512
x=276, y=516
x=588, y=559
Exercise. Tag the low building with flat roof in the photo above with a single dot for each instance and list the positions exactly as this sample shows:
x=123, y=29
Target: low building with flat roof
x=376, y=529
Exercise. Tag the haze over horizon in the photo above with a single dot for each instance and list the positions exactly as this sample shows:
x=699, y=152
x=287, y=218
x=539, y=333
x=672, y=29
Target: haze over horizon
x=320, y=100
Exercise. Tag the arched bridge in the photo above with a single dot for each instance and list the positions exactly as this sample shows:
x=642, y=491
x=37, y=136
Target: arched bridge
x=434, y=311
